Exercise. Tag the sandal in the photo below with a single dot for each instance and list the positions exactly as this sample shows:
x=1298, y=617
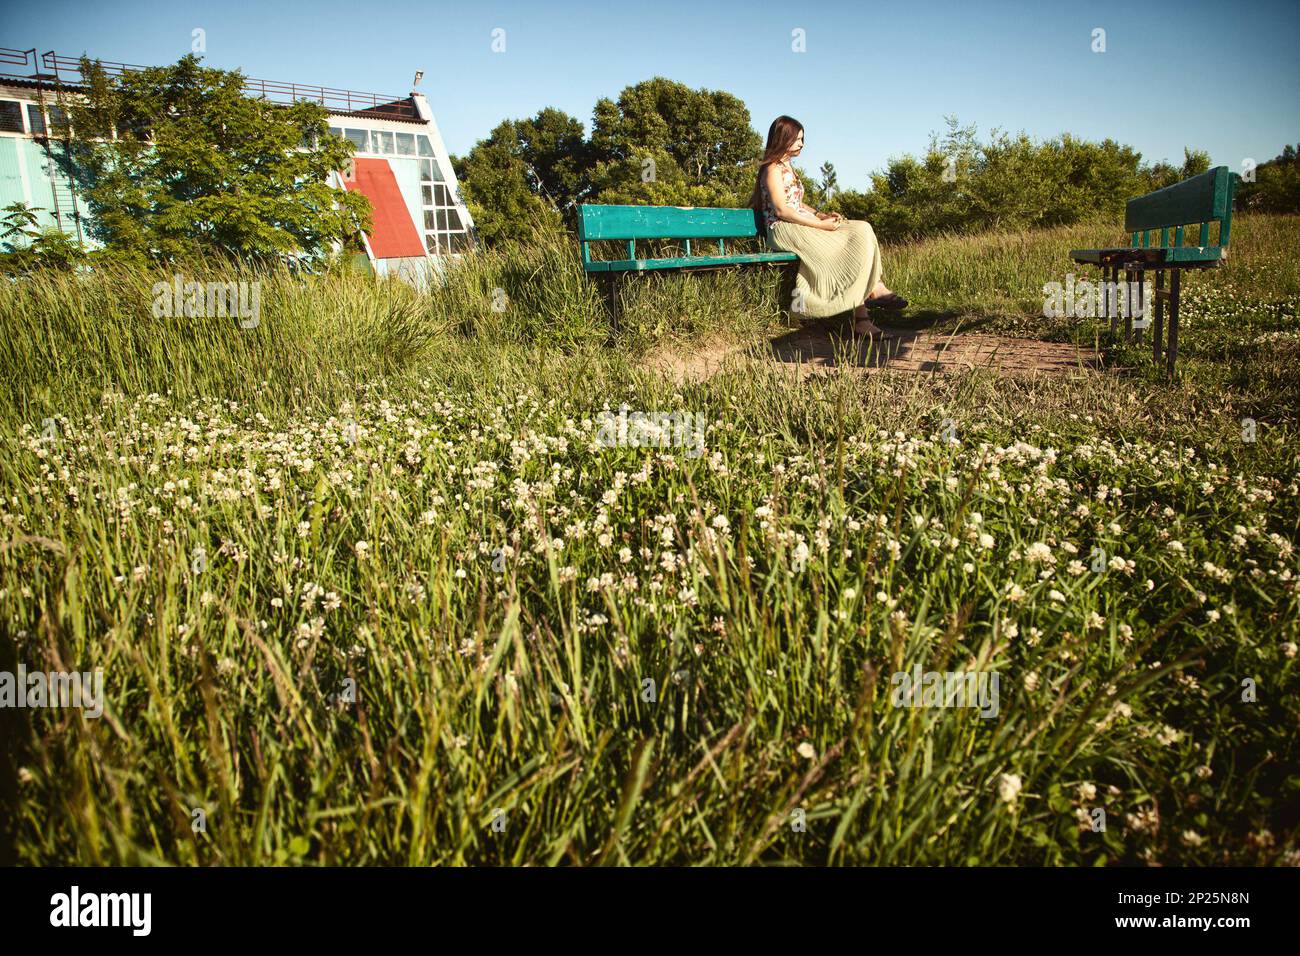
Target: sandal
x=891, y=302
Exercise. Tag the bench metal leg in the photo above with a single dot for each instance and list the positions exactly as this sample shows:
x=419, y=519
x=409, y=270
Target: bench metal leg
x=1158, y=322
x=1128, y=318
x=1112, y=277
x=611, y=292
x=1141, y=300
x=1105, y=293
x=1172, y=352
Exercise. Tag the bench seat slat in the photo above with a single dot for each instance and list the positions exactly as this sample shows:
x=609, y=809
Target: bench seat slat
x=1152, y=254
x=692, y=262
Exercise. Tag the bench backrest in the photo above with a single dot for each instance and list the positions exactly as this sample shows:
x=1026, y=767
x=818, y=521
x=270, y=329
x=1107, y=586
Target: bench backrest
x=1202, y=199
x=664, y=222
x=630, y=223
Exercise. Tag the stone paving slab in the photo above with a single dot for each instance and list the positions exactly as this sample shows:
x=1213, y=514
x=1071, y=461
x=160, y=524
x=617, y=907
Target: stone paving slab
x=910, y=351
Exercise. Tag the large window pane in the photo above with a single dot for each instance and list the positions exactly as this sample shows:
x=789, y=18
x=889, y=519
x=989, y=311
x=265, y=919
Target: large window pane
x=437, y=172
x=361, y=138
x=453, y=220
x=442, y=219
x=440, y=195
x=427, y=191
x=460, y=242
x=429, y=221
x=426, y=149
x=381, y=141
x=431, y=243
x=35, y=119
x=336, y=131
x=405, y=144
x=11, y=116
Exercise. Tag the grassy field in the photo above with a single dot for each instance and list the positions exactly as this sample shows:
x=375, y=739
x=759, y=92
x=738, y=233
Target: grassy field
x=366, y=585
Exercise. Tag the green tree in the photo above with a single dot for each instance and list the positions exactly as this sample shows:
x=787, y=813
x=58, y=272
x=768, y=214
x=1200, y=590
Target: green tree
x=829, y=182
x=965, y=184
x=1276, y=185
x=29, y=248
x=527, y=172
x=499, y=190
x=177, y=162
x=665, y=142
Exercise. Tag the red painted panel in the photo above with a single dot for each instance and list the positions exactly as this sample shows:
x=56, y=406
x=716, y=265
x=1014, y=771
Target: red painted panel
x=392, y=235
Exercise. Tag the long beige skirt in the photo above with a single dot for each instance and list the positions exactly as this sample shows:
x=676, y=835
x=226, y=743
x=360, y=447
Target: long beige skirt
x=836, y=269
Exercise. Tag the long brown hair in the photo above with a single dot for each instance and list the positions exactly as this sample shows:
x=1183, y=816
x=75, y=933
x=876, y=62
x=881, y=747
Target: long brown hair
x=780, y=137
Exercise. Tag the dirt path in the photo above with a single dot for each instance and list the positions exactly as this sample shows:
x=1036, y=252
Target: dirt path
x=814, y=348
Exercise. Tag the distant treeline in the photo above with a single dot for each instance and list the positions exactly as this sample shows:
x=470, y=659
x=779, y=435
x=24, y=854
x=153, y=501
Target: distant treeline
x=662, y=143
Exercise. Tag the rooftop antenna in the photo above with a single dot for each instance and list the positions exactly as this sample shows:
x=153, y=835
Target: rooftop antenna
x=419, y=75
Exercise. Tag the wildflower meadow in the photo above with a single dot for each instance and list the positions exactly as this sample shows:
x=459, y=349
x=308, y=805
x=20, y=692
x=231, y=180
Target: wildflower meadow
x=395, y=576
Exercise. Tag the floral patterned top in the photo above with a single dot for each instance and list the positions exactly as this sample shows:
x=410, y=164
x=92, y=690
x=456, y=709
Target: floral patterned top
x=793, y=194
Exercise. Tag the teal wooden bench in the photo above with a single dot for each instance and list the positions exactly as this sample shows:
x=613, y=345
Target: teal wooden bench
x=630, y=224
x=1201, y=200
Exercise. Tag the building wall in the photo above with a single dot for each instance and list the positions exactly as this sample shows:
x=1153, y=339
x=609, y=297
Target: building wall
x=31, y=174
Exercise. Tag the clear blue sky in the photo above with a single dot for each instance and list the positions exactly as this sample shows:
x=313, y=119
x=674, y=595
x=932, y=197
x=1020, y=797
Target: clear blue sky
x=875, y=81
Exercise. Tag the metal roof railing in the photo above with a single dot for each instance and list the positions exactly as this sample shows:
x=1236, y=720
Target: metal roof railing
x=67, y=69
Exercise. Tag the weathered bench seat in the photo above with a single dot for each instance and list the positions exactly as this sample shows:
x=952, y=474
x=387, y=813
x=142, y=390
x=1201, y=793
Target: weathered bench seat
x=1199, y=201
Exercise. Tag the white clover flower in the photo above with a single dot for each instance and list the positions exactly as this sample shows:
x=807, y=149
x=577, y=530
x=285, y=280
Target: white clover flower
x=986, y=542
x=1039, y=553
x=807, y=751
x=1087, y=792
x=1009, y=787
x=1031, y=681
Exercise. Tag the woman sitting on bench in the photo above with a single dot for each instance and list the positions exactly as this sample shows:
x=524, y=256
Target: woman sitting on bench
x=839, y=259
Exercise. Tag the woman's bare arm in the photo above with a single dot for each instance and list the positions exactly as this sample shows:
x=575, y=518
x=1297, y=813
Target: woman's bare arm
x=786, y=212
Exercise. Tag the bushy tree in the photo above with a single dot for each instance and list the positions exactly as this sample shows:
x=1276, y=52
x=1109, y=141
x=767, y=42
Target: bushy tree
x=178, y=162
x=963, y=184
x=28, y=248
x=660, y=143
x=681, y=146
x=527, y=171
x=1276, y=187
